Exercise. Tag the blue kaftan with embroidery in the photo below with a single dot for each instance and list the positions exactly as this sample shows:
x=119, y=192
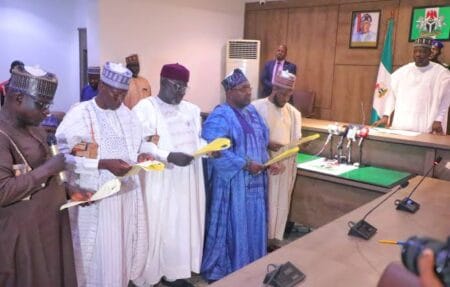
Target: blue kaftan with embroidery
x=236, y=221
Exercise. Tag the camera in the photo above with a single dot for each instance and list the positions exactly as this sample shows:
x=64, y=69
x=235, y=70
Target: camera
x=262, y=2
x=414, y=246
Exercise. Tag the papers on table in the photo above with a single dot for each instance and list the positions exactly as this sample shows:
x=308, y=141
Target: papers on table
x=325, y=166
x=396, y=132
x=107, y=189
x=216, y=145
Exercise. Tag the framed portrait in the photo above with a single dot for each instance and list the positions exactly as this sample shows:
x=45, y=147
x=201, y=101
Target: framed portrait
x=365, y=29
x=430, y=21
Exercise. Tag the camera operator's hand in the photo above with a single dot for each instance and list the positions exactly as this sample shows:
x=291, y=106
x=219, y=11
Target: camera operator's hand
x=425, y=264
x=179, y=158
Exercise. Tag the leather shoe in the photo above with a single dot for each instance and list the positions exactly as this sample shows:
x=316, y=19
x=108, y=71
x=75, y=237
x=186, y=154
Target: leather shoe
x=176, y=283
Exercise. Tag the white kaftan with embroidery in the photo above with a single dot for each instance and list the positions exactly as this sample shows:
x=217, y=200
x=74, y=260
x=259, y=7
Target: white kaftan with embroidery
x=109, y=236
x=175, y=198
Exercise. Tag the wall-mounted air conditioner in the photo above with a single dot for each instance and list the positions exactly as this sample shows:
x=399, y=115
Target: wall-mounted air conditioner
x=244, y=54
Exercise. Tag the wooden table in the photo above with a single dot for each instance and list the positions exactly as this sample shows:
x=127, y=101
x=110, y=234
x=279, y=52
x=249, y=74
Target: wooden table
x=412, y=154
x=329, y=257
x=320, y=198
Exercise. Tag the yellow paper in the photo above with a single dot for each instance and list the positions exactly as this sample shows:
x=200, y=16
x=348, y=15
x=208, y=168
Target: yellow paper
x=216, y=145
x=292, y=151
x=150, y=165
x=107, y=189
x=303, y=140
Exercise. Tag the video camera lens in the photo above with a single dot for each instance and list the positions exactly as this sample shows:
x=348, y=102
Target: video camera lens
x=414, y=246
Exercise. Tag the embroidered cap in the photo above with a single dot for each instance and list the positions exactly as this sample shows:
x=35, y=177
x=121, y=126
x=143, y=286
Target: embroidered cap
x=93, y=70
x=33, y=81
x=175, y=72
x=234, y=79
x=423, y=42
x=132, y=59
x=437, y=43
x=284, y=79
x=116, y=75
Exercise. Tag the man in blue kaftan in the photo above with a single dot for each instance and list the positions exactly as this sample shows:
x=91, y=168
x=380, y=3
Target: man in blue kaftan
x=236, y=221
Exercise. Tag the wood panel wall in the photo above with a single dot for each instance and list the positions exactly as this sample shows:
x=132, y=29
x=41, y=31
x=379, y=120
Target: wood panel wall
x=317, y=34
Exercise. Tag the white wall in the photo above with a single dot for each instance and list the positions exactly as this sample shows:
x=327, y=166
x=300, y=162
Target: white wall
x=44, y=33
x=190, y=32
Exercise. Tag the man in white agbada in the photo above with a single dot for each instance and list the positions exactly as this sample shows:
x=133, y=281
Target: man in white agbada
x=102, y=137
x=284, y=122
x=419, y=94
x=175, y=197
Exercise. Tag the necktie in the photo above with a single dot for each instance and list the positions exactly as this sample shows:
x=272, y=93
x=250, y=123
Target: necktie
x=277, y=68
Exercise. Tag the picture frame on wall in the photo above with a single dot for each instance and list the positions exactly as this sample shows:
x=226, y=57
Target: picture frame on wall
x=364, y=31
x=430, y=21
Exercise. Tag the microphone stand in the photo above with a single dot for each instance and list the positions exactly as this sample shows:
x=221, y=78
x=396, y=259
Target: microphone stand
x=409, y=205
x=362, y=228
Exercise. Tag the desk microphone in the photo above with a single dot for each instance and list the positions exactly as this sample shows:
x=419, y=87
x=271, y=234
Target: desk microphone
x=51, y=141
x=409, y=205
x=363, y=133
x=362, y=228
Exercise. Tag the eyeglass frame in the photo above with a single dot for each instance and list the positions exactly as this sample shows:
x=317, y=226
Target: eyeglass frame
x=39, y=104
x=178, y=88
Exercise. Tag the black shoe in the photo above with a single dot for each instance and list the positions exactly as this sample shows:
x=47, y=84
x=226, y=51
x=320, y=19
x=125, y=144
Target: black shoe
x=272, y=247
x=176, y=283
x=288, y=229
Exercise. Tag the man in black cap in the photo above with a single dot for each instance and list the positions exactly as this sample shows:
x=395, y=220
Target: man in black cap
x=419, y=94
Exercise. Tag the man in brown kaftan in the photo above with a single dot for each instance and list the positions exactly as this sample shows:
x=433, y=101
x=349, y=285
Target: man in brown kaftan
x=35, y=238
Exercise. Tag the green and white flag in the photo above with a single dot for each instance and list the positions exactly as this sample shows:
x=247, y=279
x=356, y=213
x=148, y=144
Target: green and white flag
x=384, y=77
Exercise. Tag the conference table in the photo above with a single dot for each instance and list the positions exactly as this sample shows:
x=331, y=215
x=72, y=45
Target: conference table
x=325, y=190
x=410, y=153
x=329, y=257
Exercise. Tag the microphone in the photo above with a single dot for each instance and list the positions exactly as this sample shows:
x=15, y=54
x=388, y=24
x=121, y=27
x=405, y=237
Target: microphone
x=343, y=133
x=351, y=137
x=363, y=133
x=362, y=228
x=409, y=205
x=51, y=141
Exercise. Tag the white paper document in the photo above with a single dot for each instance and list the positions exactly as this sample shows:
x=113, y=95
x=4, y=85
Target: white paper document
x=107, y=189
x=396, y=132
x=326, y=167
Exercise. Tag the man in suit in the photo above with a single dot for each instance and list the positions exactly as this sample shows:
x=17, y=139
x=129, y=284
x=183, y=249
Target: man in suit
x=272, y=67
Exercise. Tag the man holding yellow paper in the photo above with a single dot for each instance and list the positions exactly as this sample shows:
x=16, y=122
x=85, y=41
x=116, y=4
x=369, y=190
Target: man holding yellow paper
x=284, y=122
x=236, y=227
x=175, y=197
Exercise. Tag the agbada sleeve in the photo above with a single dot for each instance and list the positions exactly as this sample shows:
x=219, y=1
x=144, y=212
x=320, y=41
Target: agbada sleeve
x=229, y=163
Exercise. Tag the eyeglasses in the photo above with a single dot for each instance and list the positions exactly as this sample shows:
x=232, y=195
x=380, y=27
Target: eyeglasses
x=179, y=88
x=40, y=104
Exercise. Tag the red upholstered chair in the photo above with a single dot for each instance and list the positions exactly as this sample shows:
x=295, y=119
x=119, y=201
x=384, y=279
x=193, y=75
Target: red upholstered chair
x=304, y=102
